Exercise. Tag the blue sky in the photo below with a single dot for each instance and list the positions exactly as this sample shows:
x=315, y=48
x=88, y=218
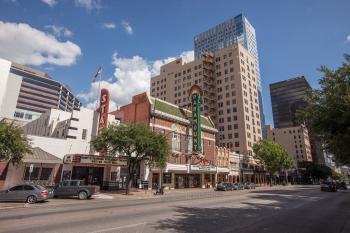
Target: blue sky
x=294, y=38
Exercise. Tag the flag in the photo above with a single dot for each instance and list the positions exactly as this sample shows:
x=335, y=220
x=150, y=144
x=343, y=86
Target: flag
x=99, y=72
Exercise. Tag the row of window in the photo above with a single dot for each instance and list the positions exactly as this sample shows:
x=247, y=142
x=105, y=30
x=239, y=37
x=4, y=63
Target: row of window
x=22, y=115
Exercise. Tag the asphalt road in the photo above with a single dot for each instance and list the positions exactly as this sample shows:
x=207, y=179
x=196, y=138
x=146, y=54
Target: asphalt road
x=285, y=210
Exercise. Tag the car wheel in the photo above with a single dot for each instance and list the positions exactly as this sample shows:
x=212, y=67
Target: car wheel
x=82, y=195
x=31, y=199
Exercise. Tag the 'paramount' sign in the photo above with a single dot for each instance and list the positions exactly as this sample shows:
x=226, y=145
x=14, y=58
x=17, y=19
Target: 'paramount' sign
x=196, y=100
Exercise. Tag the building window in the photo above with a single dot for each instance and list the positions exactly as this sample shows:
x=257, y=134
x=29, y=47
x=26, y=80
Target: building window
x=19, y=114
x=176, y=142
x=28, y=116
x=167, y=178
x=34, y=175
x=189, y=144
x=45, y=173
x=83, y=136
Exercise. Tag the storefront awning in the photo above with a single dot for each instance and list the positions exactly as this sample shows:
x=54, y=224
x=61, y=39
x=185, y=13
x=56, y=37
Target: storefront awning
x=40, y=156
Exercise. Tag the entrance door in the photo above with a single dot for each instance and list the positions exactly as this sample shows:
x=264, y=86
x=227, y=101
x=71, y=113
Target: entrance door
x=90, y=175
x=155, y=180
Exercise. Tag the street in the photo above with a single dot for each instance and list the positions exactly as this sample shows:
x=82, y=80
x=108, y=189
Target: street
x=282, y=209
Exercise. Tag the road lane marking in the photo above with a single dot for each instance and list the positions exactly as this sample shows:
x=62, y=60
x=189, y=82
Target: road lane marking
x=102, y=196
x=118, y=228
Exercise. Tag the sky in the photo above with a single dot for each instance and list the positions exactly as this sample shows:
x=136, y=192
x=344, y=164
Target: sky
x=130, y=40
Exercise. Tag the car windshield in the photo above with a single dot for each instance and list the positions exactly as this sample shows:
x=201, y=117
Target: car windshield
x=39, y=187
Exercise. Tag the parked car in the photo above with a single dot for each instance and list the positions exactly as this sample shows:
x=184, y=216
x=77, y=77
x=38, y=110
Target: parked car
x=71, y=188
x=248, y=185
x=238, y=186
x=225, y=186
x=329, y=186
x=342, y=186
x=29, y=193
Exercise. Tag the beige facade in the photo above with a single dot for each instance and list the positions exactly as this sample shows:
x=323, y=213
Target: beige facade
x=222, y=157
x=230, y=97
x=294, y=139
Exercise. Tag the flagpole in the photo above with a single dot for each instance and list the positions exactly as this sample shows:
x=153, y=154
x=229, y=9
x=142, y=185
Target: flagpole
x=99, y=89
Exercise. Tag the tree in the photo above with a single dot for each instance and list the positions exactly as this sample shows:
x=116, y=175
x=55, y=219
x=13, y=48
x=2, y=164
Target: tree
x=135, y=143
x=328, y=111
x=13, y=143
x=340, y=177
x=273, y=156
x=318, y=171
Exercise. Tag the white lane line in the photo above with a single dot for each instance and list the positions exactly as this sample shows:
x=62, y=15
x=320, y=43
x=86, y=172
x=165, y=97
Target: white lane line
x=118, y=228
x=102, y=196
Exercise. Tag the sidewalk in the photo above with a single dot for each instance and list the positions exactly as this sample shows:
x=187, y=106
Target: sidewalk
x=187, y=193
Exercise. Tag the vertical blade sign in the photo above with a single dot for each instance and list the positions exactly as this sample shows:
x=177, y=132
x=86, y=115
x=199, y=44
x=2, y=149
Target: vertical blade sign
x=103, y=110
x=196, y=100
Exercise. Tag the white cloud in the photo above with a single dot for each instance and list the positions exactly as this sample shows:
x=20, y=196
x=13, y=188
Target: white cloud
x=109, y=25
x=132, y=76
x=127, y=27
x=348, y=39
x=26, y=45
x=89, y=4
x=51, y=3
x=59, y=30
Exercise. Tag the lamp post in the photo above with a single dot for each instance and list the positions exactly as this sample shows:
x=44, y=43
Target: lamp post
x=240, y=169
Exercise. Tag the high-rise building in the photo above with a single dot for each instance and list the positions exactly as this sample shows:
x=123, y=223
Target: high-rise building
x=234, y=30
x=26, y=93
x=287, y=97
x=230, y=93
x=294, y=139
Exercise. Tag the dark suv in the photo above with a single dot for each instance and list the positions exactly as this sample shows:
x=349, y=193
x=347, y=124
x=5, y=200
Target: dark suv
x=329, y=186
x=75, y=188
x=225, y=186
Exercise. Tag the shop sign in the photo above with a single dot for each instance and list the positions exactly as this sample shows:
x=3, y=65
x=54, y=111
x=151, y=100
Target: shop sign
x=103, y=110
x=196, y=101
x=176, y=167
x=96, y=160
x=203, y=168
x=247, y=171
x=223, y=170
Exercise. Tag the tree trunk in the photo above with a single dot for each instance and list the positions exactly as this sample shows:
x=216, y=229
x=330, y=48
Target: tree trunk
x=128, y=184
x=270, y=179
x=130, y=177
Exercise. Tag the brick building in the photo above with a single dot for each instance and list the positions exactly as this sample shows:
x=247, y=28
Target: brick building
x=230, y=93
x=184, y=170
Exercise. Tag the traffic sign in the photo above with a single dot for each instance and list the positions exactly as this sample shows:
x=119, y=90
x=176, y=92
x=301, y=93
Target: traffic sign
x=31, y=168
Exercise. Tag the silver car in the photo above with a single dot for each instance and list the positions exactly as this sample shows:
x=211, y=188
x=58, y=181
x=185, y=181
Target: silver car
x=25, y=192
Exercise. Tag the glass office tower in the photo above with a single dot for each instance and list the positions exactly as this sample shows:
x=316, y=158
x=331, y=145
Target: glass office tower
x=287, y=97
x=236, y=29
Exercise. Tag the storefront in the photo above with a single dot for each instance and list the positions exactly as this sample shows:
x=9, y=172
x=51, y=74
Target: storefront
x=39, y=167
x=107, y=172
x=178, y=176
x=223, y=174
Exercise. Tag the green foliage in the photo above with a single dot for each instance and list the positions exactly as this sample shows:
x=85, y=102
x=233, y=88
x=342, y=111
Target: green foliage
x=318, y=171
x=328, y=111
x=13, y=143
x=340, y=177
x=134, y=142
x=272, y=155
